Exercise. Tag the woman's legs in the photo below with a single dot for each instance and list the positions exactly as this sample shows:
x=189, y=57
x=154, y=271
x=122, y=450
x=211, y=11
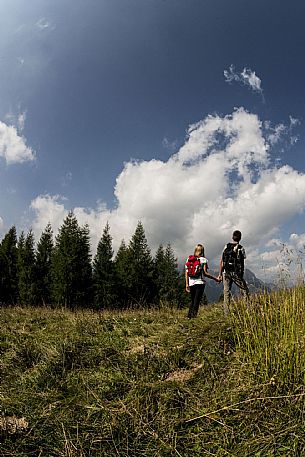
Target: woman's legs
x=196, y=296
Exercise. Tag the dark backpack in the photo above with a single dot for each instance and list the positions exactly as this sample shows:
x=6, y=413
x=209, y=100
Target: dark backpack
x=233, y=259
x=193, y=266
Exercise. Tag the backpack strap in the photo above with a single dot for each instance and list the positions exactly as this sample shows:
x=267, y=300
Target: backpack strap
x=225, y=248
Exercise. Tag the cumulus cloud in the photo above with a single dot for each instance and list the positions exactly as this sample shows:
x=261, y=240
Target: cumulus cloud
x=246, y=77
x=13, y=147
x=221, y=179
x=48, y=208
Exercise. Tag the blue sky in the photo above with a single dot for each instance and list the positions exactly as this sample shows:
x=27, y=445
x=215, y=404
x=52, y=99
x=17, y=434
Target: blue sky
x=91, y=85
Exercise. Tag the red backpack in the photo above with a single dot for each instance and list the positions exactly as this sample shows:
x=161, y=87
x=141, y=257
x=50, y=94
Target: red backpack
x=193, y=266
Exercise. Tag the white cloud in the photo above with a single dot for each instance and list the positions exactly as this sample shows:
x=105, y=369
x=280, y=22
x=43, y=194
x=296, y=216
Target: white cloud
x=12, y=145
x=298, y=240
x=169, y=145
x=66, y=179
x=21, y=121
x=294, y=121
x=249, y=78
x=220, y=179
x=48, y=209
x=44, y=24
x=276, y=133
x=16, y=120
x=246, y=77
x=282, y=259
x=279, y=131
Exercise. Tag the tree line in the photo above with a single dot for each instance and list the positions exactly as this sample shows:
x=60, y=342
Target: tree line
x=62, y=272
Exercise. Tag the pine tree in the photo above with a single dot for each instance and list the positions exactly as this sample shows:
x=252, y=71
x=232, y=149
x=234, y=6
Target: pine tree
x=71, y=265
x=8, y=268
x=183, y=297
x=142, y=288
x=167, y=275
x=20, y=263
x=103, y=271
x=122, y=276
x=84, y=295
x=44, y=254
x=170, y=283
x=26, y=269
x=159, y=267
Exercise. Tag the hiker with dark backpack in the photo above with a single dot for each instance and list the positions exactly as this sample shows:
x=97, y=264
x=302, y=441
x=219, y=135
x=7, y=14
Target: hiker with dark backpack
x=232, y=266
x=196, y=270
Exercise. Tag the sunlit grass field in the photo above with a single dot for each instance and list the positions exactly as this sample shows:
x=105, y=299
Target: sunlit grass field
x=153, y=383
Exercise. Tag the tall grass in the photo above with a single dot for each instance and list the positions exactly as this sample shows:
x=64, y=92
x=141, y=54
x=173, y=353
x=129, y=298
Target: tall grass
x=270, y=336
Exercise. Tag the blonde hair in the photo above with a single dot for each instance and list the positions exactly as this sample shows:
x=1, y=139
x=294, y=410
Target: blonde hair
x=199, y=250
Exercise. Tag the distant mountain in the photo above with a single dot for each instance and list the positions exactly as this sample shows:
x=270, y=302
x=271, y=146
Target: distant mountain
x=214, y=291
x=255, y=284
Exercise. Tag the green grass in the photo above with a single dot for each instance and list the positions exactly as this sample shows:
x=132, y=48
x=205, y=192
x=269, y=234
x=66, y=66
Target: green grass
x=143, y=383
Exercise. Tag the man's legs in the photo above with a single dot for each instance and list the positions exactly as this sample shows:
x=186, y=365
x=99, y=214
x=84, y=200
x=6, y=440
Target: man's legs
x=243, y=287
x=227, y=284
x=245, y=290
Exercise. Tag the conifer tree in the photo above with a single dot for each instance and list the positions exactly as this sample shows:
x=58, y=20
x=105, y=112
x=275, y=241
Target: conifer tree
x=44, y=253
x=26, y=269
x=84, y=294
x=71, y=265
x=20, y=260
x=8, y=268
x=122, y=276
x=142, y=288
x=167, y=275
x=103, y=271
x=182, y=297
x=159, y=267
x=170, y=283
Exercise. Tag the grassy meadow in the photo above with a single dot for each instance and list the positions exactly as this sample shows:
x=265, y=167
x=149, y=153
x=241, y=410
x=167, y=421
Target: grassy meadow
x=153, y=383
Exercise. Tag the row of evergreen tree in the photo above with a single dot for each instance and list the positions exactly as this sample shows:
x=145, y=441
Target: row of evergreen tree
x=62, y=273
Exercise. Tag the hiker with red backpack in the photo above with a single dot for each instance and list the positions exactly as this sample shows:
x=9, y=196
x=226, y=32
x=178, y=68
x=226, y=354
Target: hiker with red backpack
x=231, y=270
x=196, y=270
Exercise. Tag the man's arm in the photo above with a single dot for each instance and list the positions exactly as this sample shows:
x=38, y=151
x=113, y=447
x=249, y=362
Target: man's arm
x=220, y=269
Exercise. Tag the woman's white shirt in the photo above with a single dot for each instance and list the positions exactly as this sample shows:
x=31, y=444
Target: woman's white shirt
x=200, y=279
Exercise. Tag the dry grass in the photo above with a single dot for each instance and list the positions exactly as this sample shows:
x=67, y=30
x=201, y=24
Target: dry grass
x=13, y=425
